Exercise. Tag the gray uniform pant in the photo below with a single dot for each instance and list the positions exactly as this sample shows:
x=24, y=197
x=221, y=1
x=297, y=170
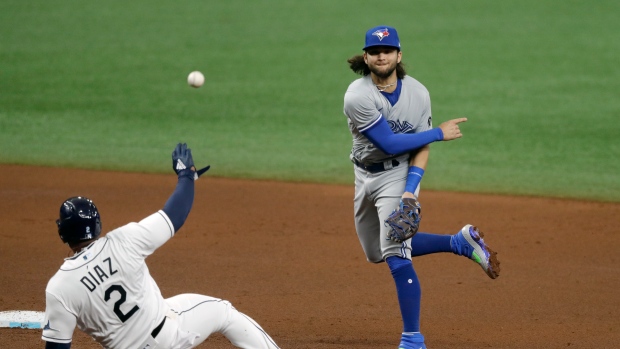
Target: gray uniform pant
x=376, y=196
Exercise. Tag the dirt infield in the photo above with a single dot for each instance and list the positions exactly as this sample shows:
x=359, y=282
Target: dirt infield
x=292, y=261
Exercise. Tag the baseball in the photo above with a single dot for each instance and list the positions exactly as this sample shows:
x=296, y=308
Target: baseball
x=195, y=79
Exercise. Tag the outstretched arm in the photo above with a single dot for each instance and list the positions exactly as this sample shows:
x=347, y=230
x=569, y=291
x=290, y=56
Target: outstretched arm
x=180, y=202
x=382, y=136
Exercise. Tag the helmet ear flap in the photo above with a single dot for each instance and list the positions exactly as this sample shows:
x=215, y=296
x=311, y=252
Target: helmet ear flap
x=97, y=226
x=59, y=233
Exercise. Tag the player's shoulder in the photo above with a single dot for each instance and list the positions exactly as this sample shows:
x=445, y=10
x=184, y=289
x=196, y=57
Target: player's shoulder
x=121, y=239
x=141, y=238
x=361, y=85
x=359, y=90
x=54, y=282
x=413, y=83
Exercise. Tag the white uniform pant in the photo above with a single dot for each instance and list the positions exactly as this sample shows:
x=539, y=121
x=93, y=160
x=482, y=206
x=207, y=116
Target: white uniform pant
x=195, y=317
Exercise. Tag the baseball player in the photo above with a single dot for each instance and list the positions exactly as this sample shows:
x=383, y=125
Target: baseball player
x=389, y=117
x=106, y=290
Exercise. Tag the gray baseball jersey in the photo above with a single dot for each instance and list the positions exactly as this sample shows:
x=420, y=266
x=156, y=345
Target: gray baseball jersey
x=378, y=194
x=364, y=105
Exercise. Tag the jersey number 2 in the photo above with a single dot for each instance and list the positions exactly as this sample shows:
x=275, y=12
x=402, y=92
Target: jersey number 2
x=119, y=302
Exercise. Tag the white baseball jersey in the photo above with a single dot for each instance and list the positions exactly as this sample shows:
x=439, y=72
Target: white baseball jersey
x=364, y=105
x=107, y=290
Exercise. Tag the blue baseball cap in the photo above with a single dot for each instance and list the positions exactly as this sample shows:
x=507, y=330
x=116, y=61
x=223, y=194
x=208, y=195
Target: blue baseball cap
x=382, y=36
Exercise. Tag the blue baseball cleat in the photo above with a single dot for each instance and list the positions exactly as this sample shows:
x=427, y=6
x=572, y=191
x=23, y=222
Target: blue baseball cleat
x=412, y=340
x=468, y=242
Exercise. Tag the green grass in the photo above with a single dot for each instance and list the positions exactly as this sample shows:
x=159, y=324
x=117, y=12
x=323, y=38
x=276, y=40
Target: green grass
x=102, y=85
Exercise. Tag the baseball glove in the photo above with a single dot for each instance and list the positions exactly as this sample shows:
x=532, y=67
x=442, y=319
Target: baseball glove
x=404, y=221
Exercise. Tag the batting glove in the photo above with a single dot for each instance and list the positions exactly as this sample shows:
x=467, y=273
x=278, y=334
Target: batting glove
x=183, y=163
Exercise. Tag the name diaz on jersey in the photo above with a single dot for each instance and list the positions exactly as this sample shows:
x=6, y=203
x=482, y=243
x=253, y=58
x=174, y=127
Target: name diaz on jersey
x=91, y=281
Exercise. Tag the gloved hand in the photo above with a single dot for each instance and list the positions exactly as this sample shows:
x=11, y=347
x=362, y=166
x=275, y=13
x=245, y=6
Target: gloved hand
x=404, y=221
x=183, y=163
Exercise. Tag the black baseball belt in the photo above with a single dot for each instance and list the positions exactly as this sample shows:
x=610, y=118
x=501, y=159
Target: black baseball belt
x=377, y=166
x=158, y=328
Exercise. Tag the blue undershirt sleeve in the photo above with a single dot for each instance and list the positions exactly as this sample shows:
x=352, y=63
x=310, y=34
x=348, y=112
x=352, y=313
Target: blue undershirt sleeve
x=382, y=136
x=414, y=176
x=180, y=202
x=53, y=345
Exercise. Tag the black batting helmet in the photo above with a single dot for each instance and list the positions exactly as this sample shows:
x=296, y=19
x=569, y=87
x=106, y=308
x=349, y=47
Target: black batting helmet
x=79, y=220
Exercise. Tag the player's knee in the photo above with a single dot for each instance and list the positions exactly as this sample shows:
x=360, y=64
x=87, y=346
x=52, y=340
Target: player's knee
x=375, y=260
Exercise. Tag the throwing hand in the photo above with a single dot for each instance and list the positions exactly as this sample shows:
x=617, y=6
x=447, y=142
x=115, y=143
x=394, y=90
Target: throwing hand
x=451, y=129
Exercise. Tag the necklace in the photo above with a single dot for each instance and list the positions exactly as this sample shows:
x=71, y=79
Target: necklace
x=384, y=87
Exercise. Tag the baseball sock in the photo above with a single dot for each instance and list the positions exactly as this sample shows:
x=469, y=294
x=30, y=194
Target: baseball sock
x=409, y=339
x=425, y=243
x=408, y=291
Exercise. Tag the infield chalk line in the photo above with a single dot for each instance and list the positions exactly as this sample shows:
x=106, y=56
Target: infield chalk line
x=22, y=319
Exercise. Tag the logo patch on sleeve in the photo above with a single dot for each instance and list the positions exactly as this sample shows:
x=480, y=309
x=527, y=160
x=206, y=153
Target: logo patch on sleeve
x=48, y=327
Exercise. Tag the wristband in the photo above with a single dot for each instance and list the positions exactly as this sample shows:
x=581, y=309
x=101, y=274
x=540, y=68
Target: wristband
x=414, y=176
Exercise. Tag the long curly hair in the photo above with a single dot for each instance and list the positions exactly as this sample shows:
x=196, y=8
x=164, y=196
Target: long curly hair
x=359, y=66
